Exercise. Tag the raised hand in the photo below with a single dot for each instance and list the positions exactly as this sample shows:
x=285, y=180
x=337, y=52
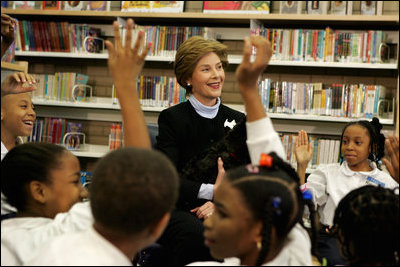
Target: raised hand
x=247, y=72
x=18, y=82
x=392, y=148
x=7, y=32
x=221, y=173
x=125, y=63
x=303, y=152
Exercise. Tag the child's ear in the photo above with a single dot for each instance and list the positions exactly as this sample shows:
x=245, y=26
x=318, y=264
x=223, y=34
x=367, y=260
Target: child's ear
x=38, y=191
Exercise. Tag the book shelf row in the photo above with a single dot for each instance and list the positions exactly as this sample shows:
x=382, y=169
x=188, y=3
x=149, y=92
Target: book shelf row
x=235, y=7
x=327, y=45
x=337, y=100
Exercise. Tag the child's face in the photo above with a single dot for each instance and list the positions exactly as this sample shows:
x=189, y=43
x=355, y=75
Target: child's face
x=65, y=189
x=208, y=78
x=231, y=230
x=17, y=114
x=356, y=147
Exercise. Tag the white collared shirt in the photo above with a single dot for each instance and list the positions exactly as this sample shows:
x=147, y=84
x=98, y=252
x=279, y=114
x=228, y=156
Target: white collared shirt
x=85, y=248
x=22, y=237
x=331, y=182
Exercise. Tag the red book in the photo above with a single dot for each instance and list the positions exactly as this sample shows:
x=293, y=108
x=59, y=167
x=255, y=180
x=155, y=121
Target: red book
x=55, y=36
x=43, y=36
x=64, y=27
x=54, y=126
x=46, y=36
x=21, y=34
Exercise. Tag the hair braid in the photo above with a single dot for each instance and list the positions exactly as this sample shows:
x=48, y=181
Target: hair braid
x=266, y=233
x=369, y=211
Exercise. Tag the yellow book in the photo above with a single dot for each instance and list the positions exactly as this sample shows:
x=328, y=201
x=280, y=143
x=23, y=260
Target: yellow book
x=323, y=102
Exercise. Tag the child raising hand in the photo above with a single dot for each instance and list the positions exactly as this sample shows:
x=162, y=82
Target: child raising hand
x=362, y=147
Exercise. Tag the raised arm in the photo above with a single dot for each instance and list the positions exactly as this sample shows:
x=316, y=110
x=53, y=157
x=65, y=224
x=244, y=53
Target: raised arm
x=125, y=64
x=303, y=153
x=261, y=136
x=392, y=148
x=7, y=32
x=247, y=75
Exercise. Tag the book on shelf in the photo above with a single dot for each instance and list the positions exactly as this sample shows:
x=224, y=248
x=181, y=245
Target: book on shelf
x=99, y=5
x=74, y=5
x=116, y=137
x=136, y=6
x=57, y=86
x=50, y=130
x=74, y=139
x=369, y=7
x=339, y=7
x=325, y=150
x=167, y=6
x=4, y=4
x=317, y=7
x=153, y=6
x=24, y=4
x=290, y=7
x=51, y=5
x=337, y=100
x=327, y=45
x=243, y=7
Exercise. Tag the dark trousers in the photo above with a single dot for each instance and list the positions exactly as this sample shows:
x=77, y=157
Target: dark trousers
x=181, y=243
x=328, y=248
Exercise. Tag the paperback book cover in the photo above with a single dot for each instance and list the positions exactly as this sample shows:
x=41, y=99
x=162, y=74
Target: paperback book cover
x=237, y=7
x=98, y=5
x=51, y=5
x=339, y=7
x=290, y=7
x=24, y=5
x=73, y=5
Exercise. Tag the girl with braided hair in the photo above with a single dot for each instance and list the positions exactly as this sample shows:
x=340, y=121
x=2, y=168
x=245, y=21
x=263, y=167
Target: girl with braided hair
x=366, y=225
x=258, y=217
x=362, y=147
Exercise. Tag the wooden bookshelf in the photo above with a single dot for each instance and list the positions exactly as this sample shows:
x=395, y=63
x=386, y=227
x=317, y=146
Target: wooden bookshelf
x=19, y=66
x=243, y=19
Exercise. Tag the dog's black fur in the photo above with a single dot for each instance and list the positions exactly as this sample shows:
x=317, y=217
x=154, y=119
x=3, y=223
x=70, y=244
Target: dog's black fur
x=232, y=149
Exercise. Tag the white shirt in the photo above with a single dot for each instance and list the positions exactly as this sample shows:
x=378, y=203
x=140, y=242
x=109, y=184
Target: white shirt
x=21, y=238
x=331, y=182
x=85, y=248
x=296, y=252
x=5, y=207
x=262, y=138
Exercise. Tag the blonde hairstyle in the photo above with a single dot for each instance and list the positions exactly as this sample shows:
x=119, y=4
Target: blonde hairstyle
x=190, y=52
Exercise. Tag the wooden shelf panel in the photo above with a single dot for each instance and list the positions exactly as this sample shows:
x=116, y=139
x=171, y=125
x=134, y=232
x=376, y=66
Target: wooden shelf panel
x=102, y=103
x=14, y=66
x=233, y=59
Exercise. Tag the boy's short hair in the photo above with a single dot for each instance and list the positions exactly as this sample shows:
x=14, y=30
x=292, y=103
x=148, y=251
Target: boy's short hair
x=190, y=52
x=133, y=188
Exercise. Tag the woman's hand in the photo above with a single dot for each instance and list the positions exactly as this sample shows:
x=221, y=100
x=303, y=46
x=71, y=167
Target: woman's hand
x=204, y=211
